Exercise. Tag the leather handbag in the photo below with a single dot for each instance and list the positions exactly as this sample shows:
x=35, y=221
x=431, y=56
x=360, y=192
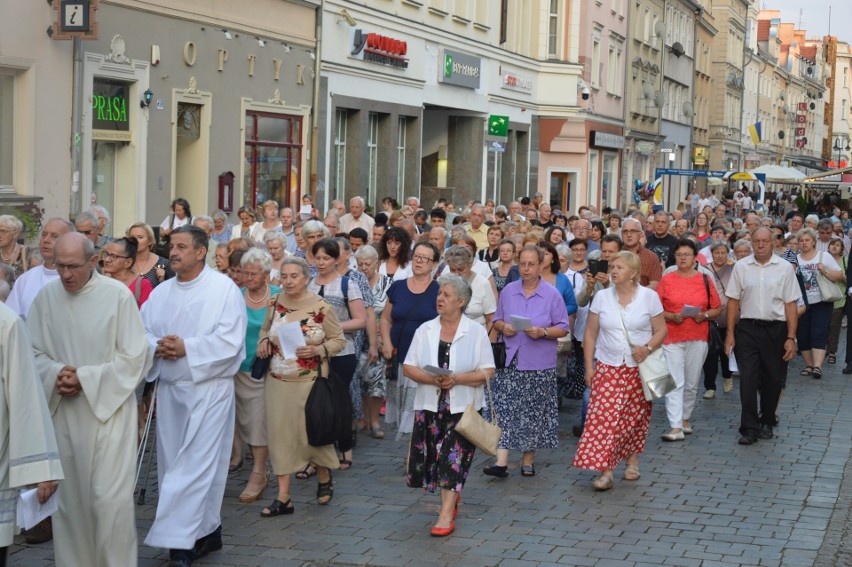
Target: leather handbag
x=260, y=367
x=829, y=290
x=715, y=344
x=473, y=427
x=319, y=412
x=654, y=372
x=498, y=349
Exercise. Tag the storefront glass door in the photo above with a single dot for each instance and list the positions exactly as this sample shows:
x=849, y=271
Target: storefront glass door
x=103, y=176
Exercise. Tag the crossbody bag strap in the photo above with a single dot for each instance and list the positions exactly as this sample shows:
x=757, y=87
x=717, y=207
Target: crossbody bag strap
x=494, y=418
x=707, y=288
x=623, y=328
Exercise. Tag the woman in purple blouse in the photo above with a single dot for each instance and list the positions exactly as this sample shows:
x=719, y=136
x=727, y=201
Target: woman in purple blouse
x=525, y=391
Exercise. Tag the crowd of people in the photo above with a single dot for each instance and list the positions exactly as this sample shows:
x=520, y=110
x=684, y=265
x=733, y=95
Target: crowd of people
x=400, y=315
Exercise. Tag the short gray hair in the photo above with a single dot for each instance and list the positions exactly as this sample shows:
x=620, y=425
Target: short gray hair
x=313, y=226
x=275, y=235
x=344, y=244
x=296, y=261
x=360, y=199
x=367, y=252
x=457, y=256
x=746, y=243
x=259, y=257
x=807, y=231
x=825, y=223
x=11, y=222
x=716, y=244
x=812, y=218
x=461, y=287
x=564, y=250
x=95, y=209
x=219, y=214
x=86, y=216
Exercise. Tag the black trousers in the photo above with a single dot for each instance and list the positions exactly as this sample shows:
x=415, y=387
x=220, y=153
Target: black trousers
x=712, y=364
x=848, y=310
x=760, y=357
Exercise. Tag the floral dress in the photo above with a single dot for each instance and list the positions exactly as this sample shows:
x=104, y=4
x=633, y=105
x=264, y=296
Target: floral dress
x=289, y=383
x=438, y=456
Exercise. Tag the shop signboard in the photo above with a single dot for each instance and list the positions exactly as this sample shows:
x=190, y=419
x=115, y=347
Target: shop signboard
x=110, y=119
x=460, y=69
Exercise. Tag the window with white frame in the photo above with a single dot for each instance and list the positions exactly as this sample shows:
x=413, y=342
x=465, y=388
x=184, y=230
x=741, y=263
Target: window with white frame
x=7, y=115
x=341, y=118
x=596, y=62
x=400, y=157
x=373, y=153
x=553, y=30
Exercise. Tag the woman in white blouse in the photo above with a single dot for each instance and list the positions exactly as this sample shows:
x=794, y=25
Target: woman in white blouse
x=618, y=417
x=438, y=456
x=483, y=302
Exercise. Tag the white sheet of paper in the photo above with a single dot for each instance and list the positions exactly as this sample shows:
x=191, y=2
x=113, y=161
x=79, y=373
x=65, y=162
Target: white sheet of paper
x=290, y=338
x=306, y=210
x=690, y=310
x=732, y=363
x=520, y=323
x=437, y=371
x=30, y=512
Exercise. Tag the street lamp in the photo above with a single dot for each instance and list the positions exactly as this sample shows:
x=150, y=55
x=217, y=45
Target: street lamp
x=838, y=147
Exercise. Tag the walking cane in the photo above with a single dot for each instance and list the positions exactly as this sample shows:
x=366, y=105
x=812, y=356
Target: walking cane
x=142, y=446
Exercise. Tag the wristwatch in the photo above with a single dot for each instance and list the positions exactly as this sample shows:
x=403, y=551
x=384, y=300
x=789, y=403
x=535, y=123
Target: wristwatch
x=545, y=332
x=648, y=346
x=791, y=339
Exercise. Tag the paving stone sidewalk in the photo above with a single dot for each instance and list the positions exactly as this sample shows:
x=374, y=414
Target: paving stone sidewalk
x=706, y=501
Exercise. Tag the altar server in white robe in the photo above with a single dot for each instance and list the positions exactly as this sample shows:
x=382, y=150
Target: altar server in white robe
x=196, y=323
x=30, y=283
x=91, y=354
x=28, y=453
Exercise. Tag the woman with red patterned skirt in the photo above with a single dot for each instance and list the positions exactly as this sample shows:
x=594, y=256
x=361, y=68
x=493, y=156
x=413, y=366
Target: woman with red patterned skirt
x=617, y=421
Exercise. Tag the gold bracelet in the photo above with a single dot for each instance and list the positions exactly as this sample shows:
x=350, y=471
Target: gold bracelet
x=484, y=374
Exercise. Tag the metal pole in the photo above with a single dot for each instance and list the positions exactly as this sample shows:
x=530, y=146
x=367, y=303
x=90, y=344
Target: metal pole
x=76, y=126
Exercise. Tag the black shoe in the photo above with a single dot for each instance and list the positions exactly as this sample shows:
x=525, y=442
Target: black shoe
x=494, y=470
x=40, y=533
x=577, y=430
x=848, y=368
x=180, y=557
x=765, y=432
x=209, y=543
x=747, y=440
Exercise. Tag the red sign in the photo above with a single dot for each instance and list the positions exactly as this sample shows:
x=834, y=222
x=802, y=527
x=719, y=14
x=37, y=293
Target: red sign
x=800, y=131
x=379, y=49
x=801, y=118
x=803, y=106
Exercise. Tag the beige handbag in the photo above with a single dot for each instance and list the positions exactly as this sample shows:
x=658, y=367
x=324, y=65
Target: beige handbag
x=654, y=372
x=473, y=427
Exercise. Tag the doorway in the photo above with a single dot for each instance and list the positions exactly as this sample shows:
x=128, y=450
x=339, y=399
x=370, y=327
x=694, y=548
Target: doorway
x=103, y=175
x=560, y=190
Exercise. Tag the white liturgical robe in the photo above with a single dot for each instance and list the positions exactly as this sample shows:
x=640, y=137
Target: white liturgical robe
x=195, y=402
x=98, y=331
x=27, y=287
x=28, y=452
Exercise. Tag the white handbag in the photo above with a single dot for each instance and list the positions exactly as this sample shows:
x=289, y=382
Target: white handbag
x=473, y=427
x=654, y=372
x=829, y=290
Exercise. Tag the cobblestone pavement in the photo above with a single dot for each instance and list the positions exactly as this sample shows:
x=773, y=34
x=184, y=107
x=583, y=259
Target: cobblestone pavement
x=706, y=501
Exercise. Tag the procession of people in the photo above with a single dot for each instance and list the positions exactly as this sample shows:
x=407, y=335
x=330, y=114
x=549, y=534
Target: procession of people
x=279, y=343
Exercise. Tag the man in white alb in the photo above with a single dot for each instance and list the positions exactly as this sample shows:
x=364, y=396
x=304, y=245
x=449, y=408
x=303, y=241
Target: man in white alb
x=30, y=283
x=90, y=353
x=29, y=454
x=196, y=323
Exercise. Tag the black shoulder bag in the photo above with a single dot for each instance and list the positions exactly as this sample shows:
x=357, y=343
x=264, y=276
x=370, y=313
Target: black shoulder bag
x=714, y=335
x=319, y=412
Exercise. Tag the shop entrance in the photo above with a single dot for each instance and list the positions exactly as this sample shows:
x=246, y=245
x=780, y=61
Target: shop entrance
x=103, y=175
x=191, y=156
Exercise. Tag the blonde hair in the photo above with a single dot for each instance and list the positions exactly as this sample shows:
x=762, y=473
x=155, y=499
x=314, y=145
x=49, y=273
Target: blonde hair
x=147, y=228
x=632, y=261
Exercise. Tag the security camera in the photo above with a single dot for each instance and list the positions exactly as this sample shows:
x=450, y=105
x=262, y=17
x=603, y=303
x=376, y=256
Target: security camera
x=585, y=93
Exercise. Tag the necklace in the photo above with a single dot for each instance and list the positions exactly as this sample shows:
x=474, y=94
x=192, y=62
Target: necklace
x=8, y=259
x=263, y=297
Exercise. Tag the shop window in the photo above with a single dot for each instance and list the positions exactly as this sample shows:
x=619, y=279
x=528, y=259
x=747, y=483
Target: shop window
x=7, y=114
x=273, y=155
x=373, y=156
x=341, y=118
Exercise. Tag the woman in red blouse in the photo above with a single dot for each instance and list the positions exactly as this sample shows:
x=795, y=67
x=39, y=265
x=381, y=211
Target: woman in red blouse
x=687, y=307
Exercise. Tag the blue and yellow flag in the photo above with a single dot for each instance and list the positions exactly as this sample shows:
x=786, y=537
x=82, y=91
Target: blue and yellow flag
x=755, y=131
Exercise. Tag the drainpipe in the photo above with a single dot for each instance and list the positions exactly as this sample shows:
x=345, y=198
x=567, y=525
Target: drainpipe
x=315, y=110
x=76, y=126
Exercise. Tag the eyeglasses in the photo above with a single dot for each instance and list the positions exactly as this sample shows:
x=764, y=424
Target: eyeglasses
x=86, y=232
x=629, y=230
x=688, y=255
x=422, y=259
x=71, y=267
x=253, y=274
x=110, y=256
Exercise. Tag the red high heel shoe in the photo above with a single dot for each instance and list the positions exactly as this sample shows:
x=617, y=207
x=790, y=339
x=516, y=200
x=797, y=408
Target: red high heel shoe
x=443, y=532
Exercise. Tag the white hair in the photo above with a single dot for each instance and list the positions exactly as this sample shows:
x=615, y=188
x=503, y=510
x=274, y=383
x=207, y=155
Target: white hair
x=359, y=199
x=367, y=252
x=259, y=257
x=95, y=209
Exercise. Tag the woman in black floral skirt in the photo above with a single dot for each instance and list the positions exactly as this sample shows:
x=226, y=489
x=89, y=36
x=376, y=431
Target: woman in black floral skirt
x=438, y=456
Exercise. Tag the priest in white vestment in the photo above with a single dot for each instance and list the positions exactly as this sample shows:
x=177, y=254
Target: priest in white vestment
x=28, y=453
x=30, y=283
x=196, y=323
x=91, y=353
